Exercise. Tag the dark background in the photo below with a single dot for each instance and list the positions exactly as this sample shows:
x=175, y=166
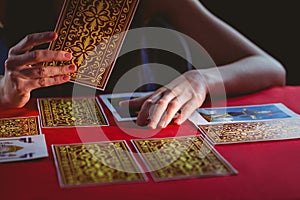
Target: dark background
x=272, y=25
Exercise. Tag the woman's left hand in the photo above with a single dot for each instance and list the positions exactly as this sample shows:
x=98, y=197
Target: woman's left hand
x=182, y=96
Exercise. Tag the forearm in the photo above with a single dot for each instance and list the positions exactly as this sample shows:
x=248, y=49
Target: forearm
x=247, y=75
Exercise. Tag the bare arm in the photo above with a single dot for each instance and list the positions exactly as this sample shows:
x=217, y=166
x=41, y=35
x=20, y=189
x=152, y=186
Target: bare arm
x=243, y=66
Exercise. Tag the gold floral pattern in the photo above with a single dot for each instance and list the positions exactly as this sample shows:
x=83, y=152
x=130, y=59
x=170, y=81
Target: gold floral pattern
x=93, y=31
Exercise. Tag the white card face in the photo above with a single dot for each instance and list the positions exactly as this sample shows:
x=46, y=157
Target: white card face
x=122, y=114
x=244, y=113
x=22, y=148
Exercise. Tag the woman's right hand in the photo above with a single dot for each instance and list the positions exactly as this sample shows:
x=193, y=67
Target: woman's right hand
x=24, y=69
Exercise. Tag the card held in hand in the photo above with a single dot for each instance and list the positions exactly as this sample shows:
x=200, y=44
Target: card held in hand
x=20, y=126
x=93, y=31
x=96, y=163
x=181, y=157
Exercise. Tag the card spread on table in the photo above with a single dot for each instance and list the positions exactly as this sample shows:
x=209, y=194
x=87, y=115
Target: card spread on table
x=96, y=163
x=22, y=148
x=93, y=31
x=239, y=132
x=21, y=126
x=70, y=112
x=246, y=113
x=182, y=157
x=126, y=113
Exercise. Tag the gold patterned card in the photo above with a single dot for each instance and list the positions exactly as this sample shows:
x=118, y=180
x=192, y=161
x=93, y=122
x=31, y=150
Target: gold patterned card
x=93, y=31
x=96, y=163
x=71, y=112
x=182, y=157
x=240, y=132
x=21, y=126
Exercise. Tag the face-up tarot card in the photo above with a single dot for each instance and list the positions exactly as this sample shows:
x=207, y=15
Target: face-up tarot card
x=96, y=163
x=22, y=148
x=246, y=113
x=70, y=112
x=182, y=157
x=126, y=113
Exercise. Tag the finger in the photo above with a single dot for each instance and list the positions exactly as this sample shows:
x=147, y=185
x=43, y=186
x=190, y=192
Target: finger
x=160, y=107
x=45, y=82
x=173, y=108
x=44, y=71
x=143, y=115
x=31, y=41
x=133, y=103
x=186, y=111
x=36, y=57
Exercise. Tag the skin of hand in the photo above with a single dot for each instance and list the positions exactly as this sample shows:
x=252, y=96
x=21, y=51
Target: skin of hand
x=185, y=94
x=24, y=69
x=239, y=62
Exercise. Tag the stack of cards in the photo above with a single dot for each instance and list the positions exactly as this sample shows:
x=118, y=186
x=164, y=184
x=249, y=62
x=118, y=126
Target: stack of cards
x=21, y=139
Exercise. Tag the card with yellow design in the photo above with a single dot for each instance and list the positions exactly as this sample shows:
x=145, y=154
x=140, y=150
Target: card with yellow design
x=96, y=163
x=71, y=112
x=20, y=126
x=93, y=31
x=240, y=132
x=181, y=157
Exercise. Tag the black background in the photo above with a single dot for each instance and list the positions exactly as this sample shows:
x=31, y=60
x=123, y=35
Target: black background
x=272, y=25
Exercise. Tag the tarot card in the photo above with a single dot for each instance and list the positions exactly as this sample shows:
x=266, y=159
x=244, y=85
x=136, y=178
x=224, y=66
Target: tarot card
x=22, y=148
x=96, y=163
x=252, y=131
x=21, y=126
x=122, y=114
x=93, y=31
x=182, y=157
x=246, y=113
x=71, y=112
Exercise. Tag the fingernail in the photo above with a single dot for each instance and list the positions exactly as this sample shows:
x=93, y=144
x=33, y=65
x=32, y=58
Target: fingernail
x=162, y=124
x=68, y=56
x=65, y=78
x=72, y=68
x=52, y=34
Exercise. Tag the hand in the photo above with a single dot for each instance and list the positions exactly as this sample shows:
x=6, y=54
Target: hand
x=182, y=96
x=24, y=70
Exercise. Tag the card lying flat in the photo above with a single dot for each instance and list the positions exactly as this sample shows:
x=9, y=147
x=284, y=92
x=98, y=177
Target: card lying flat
x=96, y=163
x=240, y=132
x=122, y=114
x=22, y=148
x=70, y=112
x=184, y=157
x=93, y=31
x=21, y=126
x=246, y=113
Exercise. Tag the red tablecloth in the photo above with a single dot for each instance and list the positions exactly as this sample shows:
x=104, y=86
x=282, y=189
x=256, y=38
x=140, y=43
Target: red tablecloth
x=266, y=170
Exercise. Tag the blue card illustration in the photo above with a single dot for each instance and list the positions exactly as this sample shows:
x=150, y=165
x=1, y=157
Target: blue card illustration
x=246, y=113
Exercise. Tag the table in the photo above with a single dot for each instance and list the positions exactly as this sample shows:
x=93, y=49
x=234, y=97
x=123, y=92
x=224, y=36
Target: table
x=266, y=170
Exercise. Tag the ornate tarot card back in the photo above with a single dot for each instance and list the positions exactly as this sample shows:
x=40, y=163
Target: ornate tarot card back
x=93, y=31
